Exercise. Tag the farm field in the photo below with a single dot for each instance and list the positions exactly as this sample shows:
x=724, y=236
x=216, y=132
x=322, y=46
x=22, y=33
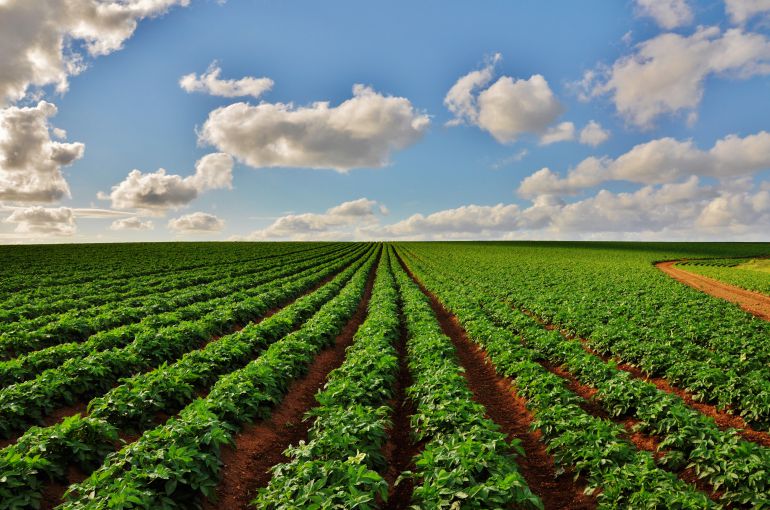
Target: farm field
x=456, y=375
x=752, y=274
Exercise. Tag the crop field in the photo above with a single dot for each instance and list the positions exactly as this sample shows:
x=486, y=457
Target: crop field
x=463, y=375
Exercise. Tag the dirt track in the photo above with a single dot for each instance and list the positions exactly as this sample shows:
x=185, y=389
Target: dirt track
x=753, y=302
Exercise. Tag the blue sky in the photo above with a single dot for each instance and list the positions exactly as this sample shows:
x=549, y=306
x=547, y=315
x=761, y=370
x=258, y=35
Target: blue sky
x=128, y=110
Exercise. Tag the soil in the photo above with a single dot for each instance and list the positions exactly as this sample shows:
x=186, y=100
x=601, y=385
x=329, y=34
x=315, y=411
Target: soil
x=509, y=411
x=53, y=492
x=401, y=448
x=259, y=447
x=753, y=302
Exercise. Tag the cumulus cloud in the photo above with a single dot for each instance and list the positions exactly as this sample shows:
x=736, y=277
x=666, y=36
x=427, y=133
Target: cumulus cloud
x=157, y=192
x=361, y=132
x=668, y=14
x=132, y=223
x=59, y=221
x=562, y=132
x=665, y=74
x=40, y=39
x=197, y=222
x=210, y=83
x=508, y=108
x=338, y=222
x=659, y=161
x=30, y=161
x=740, y=11
x=593, y=134
x=686, y=210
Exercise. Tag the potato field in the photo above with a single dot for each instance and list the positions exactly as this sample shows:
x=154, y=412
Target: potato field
x=466, y=375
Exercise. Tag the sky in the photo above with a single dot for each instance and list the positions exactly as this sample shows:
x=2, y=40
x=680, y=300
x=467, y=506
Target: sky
x=154, y=120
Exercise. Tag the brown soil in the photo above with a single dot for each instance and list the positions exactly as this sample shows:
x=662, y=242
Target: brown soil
x=509, y=411
x=753, y=302
x=401, y=447
x=259, y=447
x=53, y=492
x=65, y=412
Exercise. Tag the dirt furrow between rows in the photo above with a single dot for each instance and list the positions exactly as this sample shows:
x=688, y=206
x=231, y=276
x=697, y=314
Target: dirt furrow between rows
x=401, y=447
x=260, y=446
x=510, y=413
x=54, y=490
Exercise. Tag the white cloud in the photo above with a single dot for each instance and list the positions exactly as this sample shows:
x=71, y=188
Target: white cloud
x=740, y=11
x=684, y=210
x=666, y=74
x=338, y=222
x=562, y=132
x=210, y=83
x=360, y=132
x=508, y=108
x=668, y=14
x=158, y=191
x=59, y=221
x=513, y=158
x=461, y=98
x=38, y=38
x=593, y=134
x=30, y=162
x=664, y=160
x=132, y=223
x=197, y=222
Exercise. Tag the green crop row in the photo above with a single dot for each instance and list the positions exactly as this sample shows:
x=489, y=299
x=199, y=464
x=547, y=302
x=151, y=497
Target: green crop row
x=26, y=402
x=466, y=461
x=46, y=452
x=77, y=325
x=586, y=445
x=737, y=468
x=340, y=464
x=28, y=366
x=36, y=271
x=44, y=306
x=627, y=308
x=173, y=465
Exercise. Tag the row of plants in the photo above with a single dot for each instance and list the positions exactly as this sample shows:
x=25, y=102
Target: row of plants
x=588, y=446
x=27, y=366
x=627, y=308
x=43, y=454
x=134, y=403
x=340, y=464
x=23, y=307
x=466, y=461
x=37, y=271
x=25, y=403
x=731, y=465
x=77, y=324
x=712, y=262
x=174, y=465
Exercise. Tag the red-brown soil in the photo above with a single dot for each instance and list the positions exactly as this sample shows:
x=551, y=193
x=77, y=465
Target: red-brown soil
x=53, y=492
x=259, y=447
x=401, y=447
x=509, y=411
x=753, y=302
